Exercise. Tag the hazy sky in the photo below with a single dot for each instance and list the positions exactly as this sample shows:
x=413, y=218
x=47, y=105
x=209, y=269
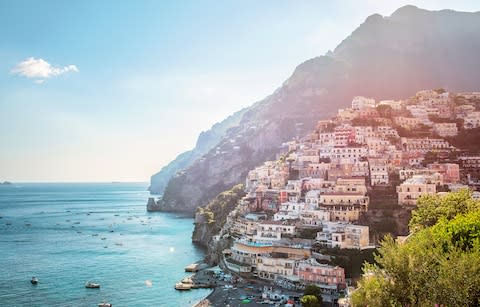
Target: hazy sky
x=114, y=90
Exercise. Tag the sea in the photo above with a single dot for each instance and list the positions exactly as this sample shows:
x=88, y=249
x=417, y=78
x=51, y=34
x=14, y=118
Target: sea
x=66, y=234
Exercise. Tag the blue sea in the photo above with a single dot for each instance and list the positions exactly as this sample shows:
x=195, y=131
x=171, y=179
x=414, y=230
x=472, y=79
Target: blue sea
x=67, y=234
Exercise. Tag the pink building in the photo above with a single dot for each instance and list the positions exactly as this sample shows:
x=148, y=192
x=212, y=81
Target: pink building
x=450, y=171
x=344, y=135
x=326, y=276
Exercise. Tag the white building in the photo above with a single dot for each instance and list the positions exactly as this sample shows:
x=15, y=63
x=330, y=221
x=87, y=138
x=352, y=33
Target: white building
x=344, y=235
x=289, y=211
x=360, y=103
x=314, y=217
x=394, y=104
x=445, y=129
x=472, y=120
x=273, y=230
x=378, y=172
x=387, y=131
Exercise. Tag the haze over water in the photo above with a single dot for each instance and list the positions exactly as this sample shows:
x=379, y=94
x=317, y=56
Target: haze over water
x=67, y=234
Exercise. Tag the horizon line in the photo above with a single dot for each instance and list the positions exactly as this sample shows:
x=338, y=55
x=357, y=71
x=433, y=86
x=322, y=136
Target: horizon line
x=107, y=181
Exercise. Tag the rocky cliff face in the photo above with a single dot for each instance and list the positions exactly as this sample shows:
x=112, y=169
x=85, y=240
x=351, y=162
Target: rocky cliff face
x=384, y=58
x=210, y=219
x=206, y=141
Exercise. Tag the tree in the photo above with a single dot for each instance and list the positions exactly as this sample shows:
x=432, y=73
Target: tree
x=385, y=110
x=430, y=208
x=437, y=264
x=314, y=290
x=310, y=301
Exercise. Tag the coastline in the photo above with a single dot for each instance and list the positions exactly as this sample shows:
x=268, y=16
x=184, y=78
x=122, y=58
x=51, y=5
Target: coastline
x=232, y=289
x=205, y=302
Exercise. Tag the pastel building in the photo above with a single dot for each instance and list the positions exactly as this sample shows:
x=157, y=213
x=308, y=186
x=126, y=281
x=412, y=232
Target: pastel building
x=360, y=103
x=245, y=254
x=344, y=235
x=244, y=227
x=348, y=154
x=344, y=206
x=344, y=135
x=445, y=129
x=351, y=185
x=407, y=122
x=378, y=172
x=325, y=276
x=314, y=217
x=289, y=211
x=424, y=144
x=472, y=120
x=273, y=230
x=271, y=267
x=412, y=188
x=387, y=131
x=449, y=171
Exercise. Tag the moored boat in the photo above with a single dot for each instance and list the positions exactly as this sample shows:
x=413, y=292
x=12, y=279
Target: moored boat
x=92, y=285
x=182, y=286
x=34, y=280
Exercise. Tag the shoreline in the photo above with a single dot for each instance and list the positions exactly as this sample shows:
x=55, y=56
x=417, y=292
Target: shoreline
x=232, y=289
x=205, y=302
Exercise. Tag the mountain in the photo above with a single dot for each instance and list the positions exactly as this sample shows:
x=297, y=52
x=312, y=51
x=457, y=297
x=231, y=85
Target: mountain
x=206, y=141
x=384, y=58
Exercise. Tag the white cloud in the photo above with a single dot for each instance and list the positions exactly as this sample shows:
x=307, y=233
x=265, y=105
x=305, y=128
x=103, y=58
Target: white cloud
x=40, y=69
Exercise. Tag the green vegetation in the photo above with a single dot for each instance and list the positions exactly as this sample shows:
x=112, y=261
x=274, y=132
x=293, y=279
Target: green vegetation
x=310, y=301
x=420, y=131
x=432, y=208
x=312, y=296
x=349, y=259
x=307, y=233
x=432, y=156
x=385, y=111
x=439, y=263
x=216, y=211
x=467, y=140
x=357, y=121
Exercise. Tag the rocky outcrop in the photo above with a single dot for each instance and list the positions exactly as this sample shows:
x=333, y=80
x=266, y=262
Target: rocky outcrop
x=152, y=205
x=384, y=58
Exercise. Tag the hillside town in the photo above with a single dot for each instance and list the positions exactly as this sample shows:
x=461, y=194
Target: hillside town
x=314, y=197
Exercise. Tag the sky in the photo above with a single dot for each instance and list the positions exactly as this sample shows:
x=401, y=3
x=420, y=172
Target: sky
x=113, y=90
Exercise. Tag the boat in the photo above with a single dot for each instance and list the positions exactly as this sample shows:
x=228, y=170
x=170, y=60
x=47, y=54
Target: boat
x=182, y=286
x=104, y=305
x=92, y=285
x=34, y=280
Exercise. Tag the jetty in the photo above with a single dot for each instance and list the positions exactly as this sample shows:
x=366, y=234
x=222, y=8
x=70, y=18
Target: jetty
x=195, y=267
x=201, y=279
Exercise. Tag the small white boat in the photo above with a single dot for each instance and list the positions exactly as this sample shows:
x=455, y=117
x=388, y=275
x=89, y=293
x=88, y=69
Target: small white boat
x=182, y=286
x=104, y=305
x=92, y=285
x=34, y=280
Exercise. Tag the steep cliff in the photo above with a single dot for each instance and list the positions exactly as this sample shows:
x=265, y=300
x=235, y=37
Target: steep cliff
x=385, y=58
x=206, y=141
x=210, y=219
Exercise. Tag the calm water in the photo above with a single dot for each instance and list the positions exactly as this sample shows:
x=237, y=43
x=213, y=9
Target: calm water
x=67, y=234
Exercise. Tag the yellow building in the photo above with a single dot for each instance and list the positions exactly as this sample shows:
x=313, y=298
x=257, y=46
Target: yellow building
x=414, y=187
